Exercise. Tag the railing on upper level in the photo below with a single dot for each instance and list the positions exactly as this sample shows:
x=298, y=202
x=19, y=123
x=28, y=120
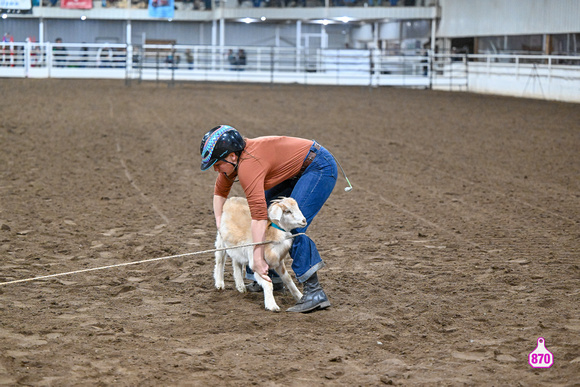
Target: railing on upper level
x=212, y=4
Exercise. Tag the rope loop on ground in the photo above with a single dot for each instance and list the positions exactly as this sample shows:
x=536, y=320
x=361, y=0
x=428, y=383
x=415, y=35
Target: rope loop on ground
x=145, y=261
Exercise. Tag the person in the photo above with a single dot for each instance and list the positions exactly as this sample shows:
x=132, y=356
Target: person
x=268, y=168
x=241, y=59
x=232, y=60
x=169, y=60
x=189, y=58
x=136, y=57
x=84, y=56
x=172, y=60
x=59, y=52
x=8, y=51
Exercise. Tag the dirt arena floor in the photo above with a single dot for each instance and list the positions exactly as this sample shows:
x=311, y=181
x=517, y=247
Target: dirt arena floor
x=457, y=249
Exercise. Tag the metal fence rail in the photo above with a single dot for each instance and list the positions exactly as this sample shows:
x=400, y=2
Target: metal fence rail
x=288, y=65
x=181, y=62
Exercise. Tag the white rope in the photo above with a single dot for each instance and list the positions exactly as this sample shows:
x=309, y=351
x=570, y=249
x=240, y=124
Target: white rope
x=143, y=261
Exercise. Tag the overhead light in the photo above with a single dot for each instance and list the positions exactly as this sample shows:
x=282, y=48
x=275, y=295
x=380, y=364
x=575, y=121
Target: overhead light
x=4, y=16
x=83, y=18
x=322, y=21
x=247, y=20
x=263, y=18
x=344, y=19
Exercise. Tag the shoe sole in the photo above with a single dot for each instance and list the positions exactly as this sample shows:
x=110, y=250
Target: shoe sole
x=322, y=305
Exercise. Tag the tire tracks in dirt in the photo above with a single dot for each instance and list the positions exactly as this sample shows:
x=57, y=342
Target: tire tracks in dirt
x=421, y=218
x=130, y=178
x=503, y=232
x=539, y=223
x=492, y=174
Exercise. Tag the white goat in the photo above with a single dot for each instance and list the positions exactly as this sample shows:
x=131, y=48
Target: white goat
x=235, y=229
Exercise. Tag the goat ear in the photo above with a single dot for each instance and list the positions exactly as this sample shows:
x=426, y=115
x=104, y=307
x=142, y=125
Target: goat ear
x=275, y=212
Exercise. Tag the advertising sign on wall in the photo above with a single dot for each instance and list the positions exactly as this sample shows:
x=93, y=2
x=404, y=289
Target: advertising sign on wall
x=161, y=8
x=76, y=4
x=15, y=6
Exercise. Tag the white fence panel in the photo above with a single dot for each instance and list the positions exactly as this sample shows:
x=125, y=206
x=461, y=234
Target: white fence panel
x=547, y=77
x=530, y=76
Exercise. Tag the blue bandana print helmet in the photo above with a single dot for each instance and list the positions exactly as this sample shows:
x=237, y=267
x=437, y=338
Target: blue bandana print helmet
x=218, y=143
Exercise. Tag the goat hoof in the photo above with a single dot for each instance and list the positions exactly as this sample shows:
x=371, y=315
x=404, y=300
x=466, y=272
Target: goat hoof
x=275, y=308
x=241, y=289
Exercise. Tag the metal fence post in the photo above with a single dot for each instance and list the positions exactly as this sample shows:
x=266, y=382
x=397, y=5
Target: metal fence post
x=128, y=63
x=27, y=59
x=271, y=66
x=172, y=63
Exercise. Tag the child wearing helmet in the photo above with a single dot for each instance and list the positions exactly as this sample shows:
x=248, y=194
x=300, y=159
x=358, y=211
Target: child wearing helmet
x=268, y=168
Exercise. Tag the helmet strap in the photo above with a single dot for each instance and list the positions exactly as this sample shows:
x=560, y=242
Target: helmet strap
x=237, y=160
x=230, y=179
x=229, y=162
x=235, y=169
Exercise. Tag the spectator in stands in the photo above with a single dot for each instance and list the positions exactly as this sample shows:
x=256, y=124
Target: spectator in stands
x=189, y=59
x=59, y=53
x=172, y=60
x=232, y=60
x=136, y=57
x=425, y=62
x=84, y=56
x=295, y=3
x=8, y=50
x=241, y=59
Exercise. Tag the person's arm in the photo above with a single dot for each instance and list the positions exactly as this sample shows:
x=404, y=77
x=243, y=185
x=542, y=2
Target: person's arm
x=259, y=235
x=218, y=207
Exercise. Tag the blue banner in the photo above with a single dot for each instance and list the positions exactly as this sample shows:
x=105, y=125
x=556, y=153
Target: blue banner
x=162, y=8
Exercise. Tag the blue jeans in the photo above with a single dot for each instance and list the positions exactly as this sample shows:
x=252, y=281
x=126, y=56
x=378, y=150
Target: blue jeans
x=310, y=190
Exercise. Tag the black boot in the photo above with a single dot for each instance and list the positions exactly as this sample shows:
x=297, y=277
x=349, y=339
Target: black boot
x=313, y=297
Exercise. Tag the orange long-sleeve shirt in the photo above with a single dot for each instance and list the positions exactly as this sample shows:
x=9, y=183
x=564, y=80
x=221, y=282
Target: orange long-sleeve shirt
x=265, y=162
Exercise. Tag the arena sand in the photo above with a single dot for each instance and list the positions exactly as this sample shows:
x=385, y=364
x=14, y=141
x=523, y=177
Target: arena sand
x=457, y=249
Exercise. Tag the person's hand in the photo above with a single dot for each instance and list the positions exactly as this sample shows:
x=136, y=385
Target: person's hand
x=261, y=268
